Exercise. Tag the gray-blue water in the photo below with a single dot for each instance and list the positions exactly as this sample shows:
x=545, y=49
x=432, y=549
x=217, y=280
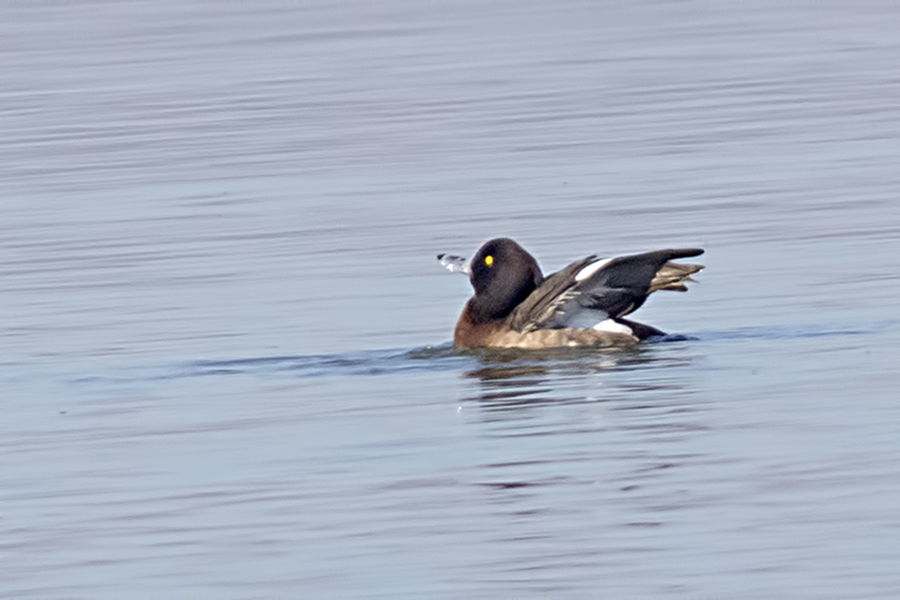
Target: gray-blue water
x=225, y=368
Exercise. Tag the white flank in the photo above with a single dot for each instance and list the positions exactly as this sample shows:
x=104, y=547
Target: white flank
x=613, y=327
x=592, y=268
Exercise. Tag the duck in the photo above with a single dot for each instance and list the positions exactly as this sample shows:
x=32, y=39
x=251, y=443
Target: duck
x=584, y=304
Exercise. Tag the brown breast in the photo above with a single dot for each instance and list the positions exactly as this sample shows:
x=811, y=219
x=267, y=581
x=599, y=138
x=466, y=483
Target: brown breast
x=499, y=334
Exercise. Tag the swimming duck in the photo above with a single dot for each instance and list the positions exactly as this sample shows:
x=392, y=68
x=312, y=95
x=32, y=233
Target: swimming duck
x=584, y=304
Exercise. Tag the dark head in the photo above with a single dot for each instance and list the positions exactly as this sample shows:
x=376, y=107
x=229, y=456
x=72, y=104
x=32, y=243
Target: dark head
x=503, y=275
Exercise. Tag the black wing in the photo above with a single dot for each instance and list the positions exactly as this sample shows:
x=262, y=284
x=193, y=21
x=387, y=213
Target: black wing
x=590, y=290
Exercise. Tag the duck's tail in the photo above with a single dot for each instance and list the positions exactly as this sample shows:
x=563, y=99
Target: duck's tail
x=674, y=276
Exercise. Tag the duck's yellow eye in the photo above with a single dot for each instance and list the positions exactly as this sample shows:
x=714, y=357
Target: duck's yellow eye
x=489, y=260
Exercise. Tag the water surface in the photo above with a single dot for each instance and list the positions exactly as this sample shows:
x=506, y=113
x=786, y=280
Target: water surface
x=224, y=354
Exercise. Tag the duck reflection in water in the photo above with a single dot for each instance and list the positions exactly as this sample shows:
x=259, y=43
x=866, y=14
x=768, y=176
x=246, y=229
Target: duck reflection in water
x=509, y=379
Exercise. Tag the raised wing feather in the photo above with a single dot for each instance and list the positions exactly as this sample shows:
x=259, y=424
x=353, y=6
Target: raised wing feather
x=589, y=291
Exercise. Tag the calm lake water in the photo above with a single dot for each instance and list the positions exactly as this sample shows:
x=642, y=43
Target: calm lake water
x=225, y=363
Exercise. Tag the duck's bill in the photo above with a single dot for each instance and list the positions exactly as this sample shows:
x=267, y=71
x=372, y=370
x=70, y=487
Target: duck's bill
x=454, y=264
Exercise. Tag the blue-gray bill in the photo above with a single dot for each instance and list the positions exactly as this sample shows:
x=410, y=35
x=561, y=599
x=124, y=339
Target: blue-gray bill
x=454, y=264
